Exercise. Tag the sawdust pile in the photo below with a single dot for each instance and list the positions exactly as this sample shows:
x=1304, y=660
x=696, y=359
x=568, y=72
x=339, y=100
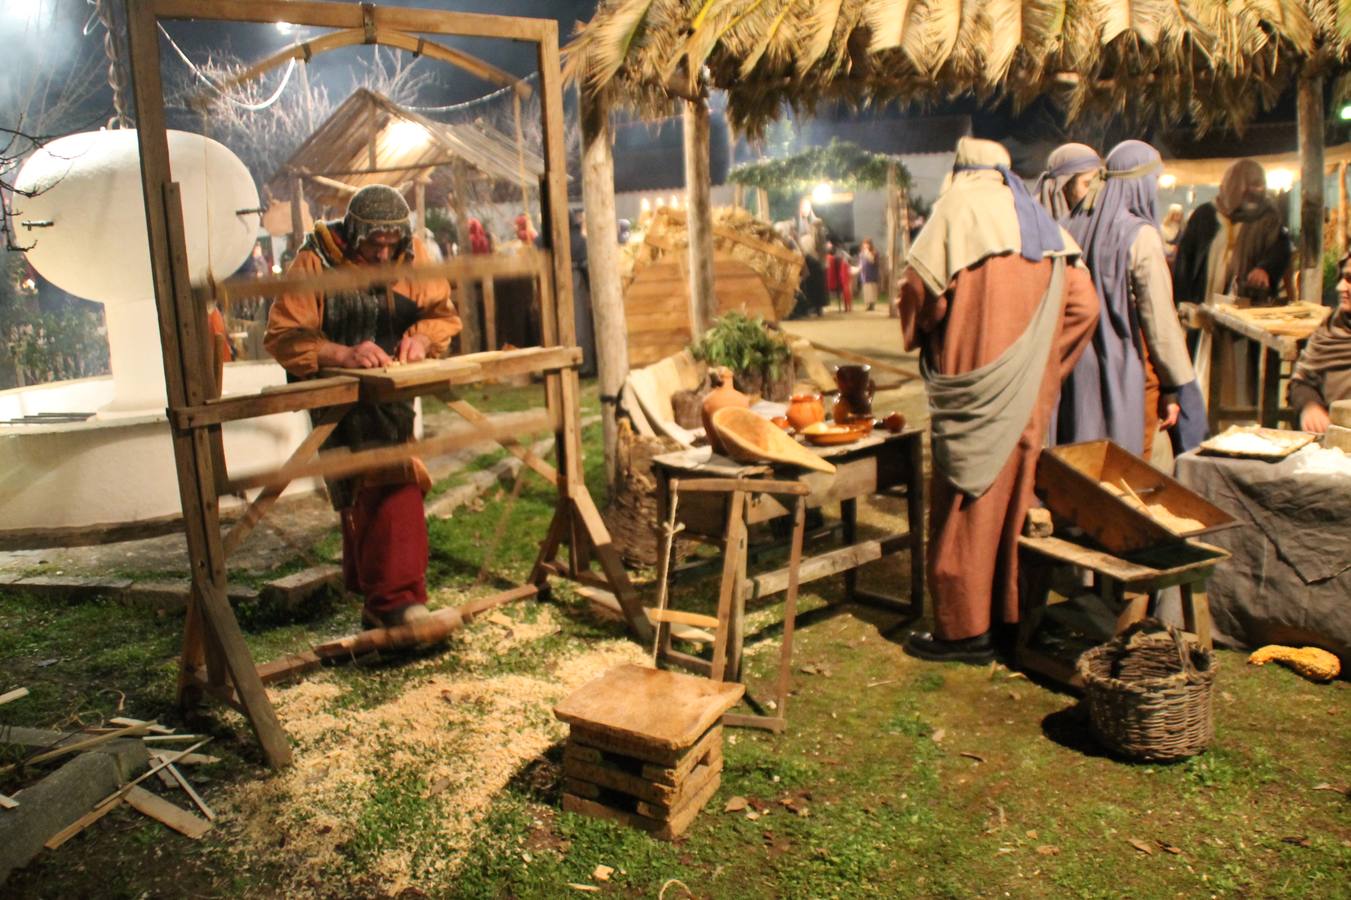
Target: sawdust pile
x=442, y=749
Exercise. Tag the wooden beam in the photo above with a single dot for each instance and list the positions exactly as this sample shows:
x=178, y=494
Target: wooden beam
x=826, y=564
x=512, y=446
x=1310, y=121
x=297, y=397
x=342, y=463
x=303, y=51
x=607, y=298
x=351, y=278
x=338, y=15
x=269, y=495
x=699, y=218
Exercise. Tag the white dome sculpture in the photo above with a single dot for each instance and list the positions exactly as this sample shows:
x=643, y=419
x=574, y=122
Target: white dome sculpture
x=88, y=186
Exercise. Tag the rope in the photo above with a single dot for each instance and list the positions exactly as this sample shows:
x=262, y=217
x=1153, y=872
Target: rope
x=475, y=102
x=115, y=78
x=206, y=79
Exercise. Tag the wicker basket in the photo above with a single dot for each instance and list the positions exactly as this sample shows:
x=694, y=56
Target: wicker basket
x=1149, y=693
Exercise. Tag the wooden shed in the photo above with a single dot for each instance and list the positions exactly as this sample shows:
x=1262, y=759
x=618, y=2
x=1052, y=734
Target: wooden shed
x=369, y=139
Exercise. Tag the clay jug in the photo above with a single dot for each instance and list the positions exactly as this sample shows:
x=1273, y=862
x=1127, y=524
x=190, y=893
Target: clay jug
x=856, y=392
x=723, y=395
x=804, y=410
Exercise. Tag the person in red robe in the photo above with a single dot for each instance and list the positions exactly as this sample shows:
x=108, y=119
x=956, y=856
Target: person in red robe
x=384, y=531
x=997, y=304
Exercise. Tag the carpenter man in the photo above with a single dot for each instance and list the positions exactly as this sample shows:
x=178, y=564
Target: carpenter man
x=384, y=532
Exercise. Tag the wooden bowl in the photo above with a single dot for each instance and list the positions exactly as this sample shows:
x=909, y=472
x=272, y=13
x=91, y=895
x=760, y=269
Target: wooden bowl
x=754, y=439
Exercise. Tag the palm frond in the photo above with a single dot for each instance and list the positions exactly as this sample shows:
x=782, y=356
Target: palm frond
x=609, y=45
x=888, y=20
x=820, y=31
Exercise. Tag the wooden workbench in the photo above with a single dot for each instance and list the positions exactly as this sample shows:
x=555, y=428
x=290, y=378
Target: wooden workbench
x=887, y=464
x=1279, y=331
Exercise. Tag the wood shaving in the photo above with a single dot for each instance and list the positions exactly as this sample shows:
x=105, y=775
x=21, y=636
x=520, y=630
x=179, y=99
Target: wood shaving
x=463, y=737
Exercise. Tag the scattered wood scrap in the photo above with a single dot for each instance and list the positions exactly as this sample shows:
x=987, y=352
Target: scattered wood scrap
x=11, y=696
x=162, y=810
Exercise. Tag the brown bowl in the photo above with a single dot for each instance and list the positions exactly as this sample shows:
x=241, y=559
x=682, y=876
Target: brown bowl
x=752, y=438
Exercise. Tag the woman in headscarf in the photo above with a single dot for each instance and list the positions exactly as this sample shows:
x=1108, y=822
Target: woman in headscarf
x=478, y=238
x=1126, y=387
x=1069, y=172
x=1323, y=372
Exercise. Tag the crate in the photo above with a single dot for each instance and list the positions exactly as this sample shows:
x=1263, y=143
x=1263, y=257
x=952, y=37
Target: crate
x=645, y=747
x=1072, y=479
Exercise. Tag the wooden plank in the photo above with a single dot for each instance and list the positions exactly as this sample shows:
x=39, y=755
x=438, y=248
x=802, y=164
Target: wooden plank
x=654, y=773
x=162, y=810
x=666, y=711
x=330, y=15
x=302, y=395
x=748, y=485
x=465, y=268
x=681, y=617
x=468, y=412
x=665, y=831
x=342, y=463
x=188, y=789
x=192, y=759
x=11, y=696
x=634, y=784
x=270, y=495
x=826, y=564
x=8, y=802
x=288, y=667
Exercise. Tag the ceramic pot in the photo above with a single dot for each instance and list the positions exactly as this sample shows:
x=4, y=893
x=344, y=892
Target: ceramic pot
x=723, y=396
x=804, y=410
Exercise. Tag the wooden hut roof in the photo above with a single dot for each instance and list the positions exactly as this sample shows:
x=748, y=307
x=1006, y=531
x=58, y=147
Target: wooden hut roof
x=1215, y=60
x=336, y=161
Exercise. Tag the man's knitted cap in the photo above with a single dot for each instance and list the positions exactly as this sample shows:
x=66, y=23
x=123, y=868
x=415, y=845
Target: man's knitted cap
x=376, y=208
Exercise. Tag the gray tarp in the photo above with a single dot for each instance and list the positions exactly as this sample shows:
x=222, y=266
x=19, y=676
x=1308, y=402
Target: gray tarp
x=1289, y=581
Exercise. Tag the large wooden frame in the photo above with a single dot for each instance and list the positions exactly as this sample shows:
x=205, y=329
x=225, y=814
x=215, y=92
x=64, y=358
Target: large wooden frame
x=216, y=660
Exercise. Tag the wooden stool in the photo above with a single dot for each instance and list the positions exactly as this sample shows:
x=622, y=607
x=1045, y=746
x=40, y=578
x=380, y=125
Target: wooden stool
x=644, y=747
x=729, y=626
x=1129, y=588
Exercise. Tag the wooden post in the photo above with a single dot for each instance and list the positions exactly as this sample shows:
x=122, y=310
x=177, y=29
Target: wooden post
x=309, y=97
x=466, y=292
x=739, y=196
x=890, y=271
x=762, y=203
x=183, y=337
x=1342, y=230
x=903, y=215
x=602, y=243
x=297, y=215
x=699, y=216
x=1311, y=188
x=420, y=204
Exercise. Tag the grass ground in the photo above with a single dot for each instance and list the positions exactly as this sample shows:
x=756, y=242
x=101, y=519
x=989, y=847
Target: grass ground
x=439, y=776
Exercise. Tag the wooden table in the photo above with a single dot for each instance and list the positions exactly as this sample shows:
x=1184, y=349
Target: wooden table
x=1279, y=331
x=889, y=464
x=1128, y=587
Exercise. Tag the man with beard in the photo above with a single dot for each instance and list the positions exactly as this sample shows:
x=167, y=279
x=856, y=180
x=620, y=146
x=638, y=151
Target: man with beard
x=1236, y=241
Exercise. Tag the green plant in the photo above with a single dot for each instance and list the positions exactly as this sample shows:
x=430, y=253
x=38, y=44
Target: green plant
x=744, y=345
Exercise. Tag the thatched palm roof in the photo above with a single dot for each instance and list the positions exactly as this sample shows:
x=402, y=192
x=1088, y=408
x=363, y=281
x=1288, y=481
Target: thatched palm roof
x=1216, y=60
